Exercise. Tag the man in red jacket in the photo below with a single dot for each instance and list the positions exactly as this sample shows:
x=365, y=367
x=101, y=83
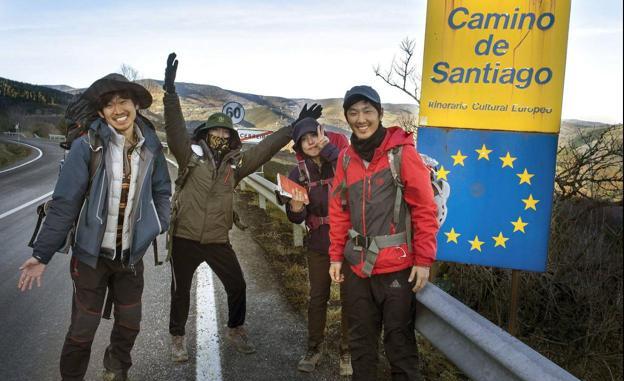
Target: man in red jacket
x=383, y=221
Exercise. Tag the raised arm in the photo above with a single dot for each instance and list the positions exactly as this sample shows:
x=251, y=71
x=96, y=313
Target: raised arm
x=256, y=156
x=175, y=126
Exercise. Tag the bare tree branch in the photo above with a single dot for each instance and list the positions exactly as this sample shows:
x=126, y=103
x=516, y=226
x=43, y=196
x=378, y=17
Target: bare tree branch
x=408, y=80
x=129, y=72
x=590, y=166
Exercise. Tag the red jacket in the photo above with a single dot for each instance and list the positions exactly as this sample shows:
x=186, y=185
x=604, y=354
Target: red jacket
x=371, y=194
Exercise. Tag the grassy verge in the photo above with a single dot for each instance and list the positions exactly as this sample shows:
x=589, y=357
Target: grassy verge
x=10, y=153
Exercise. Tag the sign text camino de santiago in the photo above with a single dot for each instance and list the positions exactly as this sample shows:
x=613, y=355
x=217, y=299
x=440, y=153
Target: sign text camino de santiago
x=490, y=114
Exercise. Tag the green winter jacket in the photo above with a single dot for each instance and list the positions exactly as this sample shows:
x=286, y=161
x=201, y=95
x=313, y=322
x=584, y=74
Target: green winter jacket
x=202, y=206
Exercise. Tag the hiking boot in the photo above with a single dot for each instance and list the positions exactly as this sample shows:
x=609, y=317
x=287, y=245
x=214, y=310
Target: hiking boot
x=310, y=360
x=238, y=336
x=179, y=353
x=345, y=365
x=109, y=375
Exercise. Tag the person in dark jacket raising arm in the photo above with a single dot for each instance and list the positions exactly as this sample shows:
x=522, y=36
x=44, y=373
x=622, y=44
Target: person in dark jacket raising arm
x=317, y=152
x=383, y=222
x=119, y=209
x=210, y=167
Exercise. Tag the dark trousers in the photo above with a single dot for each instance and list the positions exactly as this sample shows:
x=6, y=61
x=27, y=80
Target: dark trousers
x=90, y=287
x=382, y=300
x=186, y=256
x=320, y=284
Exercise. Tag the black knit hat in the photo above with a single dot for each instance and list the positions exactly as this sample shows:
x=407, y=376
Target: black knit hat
x=116, y=82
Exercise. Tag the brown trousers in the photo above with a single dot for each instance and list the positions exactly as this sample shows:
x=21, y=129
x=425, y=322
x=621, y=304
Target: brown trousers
x=90, y=287
x=320, y=284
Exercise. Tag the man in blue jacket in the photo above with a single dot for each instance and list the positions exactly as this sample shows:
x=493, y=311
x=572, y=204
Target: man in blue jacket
x=118, y=208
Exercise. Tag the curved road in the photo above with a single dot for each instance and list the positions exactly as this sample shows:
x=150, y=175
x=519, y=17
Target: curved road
x=33, y=324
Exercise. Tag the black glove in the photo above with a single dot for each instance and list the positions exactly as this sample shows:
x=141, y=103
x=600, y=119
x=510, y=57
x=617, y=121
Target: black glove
x=170, y=74
x=315, y=111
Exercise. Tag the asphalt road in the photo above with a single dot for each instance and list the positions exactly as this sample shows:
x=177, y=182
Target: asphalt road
x=33, y=324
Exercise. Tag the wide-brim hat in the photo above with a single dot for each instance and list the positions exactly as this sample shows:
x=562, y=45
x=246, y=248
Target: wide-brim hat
x=221, y=120
x=116, y=82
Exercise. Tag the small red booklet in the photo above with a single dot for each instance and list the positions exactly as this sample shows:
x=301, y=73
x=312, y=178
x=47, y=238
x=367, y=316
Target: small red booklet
x=286, y=187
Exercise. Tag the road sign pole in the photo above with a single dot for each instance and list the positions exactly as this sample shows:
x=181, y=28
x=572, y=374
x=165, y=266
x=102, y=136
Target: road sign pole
x=513, y=309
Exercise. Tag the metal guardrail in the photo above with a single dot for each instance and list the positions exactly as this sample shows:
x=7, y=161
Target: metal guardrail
x=10, y=133
x=482, y=350
x=266, y=191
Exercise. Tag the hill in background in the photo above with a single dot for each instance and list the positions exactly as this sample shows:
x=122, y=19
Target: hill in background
x=39, y=109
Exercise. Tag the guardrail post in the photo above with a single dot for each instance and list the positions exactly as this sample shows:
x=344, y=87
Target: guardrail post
x=297, y=235
x=261, y=201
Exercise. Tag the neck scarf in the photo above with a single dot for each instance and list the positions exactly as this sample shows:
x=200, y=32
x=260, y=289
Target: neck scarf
x=219, y=147
x=366, y=147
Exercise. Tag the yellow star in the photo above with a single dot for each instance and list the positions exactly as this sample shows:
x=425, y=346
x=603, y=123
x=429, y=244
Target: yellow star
x=484, y=153
x=525, y=177
x=500, y=240
x=530, y=203
x=475, y=244
x=519, y=225
x=452, y=236
x=458, y=158
x=442, y=173
x=508, y=160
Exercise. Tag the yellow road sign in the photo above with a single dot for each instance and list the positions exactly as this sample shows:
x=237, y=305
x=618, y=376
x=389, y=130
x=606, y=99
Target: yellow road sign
x=495, y=64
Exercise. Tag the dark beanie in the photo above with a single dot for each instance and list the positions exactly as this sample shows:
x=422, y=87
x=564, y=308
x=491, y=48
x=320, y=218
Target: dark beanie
x=301, y=128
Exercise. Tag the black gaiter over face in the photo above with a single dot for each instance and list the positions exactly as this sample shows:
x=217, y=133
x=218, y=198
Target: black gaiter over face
x=366, y=147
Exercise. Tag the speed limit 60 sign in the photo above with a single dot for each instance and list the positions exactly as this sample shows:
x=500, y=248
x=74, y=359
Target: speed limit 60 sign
x=235, y=111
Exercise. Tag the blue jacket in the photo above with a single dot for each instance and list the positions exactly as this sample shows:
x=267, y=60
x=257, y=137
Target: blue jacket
x=150, y=214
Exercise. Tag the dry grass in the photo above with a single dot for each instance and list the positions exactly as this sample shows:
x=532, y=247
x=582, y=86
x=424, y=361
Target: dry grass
x=10, y=153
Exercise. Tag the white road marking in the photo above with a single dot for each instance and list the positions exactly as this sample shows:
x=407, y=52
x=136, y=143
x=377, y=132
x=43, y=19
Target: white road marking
x=208, y=361
x=28, y=162
x=208, y=357
x=29, y=203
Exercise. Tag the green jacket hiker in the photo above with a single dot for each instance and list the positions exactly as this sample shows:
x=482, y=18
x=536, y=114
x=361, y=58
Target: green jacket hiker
x=211, y=164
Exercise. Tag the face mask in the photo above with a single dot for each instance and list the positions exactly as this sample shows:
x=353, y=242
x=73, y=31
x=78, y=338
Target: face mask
x=218, y=144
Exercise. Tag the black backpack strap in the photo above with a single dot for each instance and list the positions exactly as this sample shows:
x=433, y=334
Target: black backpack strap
x=96, y=156
x=304, y=175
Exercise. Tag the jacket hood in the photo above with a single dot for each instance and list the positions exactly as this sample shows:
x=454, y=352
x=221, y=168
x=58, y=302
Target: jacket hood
x=396, y=136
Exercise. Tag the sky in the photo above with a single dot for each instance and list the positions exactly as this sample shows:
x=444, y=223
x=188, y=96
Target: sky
x=296, y=49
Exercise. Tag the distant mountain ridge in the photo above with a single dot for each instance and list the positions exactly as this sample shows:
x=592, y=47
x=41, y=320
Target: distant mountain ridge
x=32, y=98
x=198, y=101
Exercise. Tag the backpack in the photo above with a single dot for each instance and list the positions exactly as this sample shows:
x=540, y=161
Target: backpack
x=373, y=244
x=78, y=117
x=313, y=221
x=441, y=188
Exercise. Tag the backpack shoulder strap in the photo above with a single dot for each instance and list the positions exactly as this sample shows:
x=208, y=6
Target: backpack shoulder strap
x=345, y=161
x=395, y=159
x=96, y=156
x=304, y=175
